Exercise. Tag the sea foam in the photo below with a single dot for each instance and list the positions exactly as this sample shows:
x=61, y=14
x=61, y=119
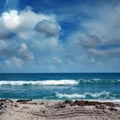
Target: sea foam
x=45, y=82
x=82, y=96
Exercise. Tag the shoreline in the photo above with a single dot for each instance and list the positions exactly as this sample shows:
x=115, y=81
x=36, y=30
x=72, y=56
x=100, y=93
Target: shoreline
x=117, y=101
x=58, y=110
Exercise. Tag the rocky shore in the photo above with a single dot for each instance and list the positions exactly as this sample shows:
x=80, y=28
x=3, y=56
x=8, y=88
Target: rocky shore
x=58, y=110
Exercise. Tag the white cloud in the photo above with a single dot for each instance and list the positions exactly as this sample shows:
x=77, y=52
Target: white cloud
x=5, y=49
x=14, y=63
x=110, y=53
x=107, y=23
x=24, y=21
x=22, y=45
x=47, y=46
x=88, y=41
x=24, y=53
x=57, y=60
x=11, y=20
x=98, y=53
x=100, y=39
x=8, y=49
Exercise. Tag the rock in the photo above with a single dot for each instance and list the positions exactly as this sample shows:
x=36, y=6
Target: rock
x=23, y=101
x=70, y=102
x=100, y=106
x=6, y=100
x=2, y=105
x=81, y=103
x=60, y=106
x=112, y=109
x=16, y=105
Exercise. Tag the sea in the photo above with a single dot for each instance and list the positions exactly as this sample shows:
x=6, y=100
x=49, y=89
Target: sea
x=60, y=86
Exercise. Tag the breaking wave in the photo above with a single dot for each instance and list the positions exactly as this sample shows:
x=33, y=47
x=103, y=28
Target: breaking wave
x=86, y=95
x=45, y=82
x=97, y=80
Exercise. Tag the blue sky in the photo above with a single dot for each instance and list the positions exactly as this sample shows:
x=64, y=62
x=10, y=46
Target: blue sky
x=59, y=36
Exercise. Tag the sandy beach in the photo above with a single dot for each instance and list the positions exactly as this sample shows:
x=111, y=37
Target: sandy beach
x=58, y=110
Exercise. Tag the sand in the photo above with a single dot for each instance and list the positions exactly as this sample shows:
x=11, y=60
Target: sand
x=58, y=110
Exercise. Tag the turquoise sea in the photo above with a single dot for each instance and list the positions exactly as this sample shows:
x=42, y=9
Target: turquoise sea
x=61, y=86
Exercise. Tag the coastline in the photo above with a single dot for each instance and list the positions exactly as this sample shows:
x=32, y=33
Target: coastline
x=58, y=110
x=117, y=101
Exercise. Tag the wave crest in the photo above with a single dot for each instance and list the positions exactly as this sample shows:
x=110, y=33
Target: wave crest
x=99, y=81
x=83, y=96
x=45, y=82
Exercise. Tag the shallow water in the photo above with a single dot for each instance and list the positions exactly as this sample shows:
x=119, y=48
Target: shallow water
x=61, y=86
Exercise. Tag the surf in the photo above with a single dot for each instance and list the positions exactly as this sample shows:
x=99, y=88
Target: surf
x=41, y=82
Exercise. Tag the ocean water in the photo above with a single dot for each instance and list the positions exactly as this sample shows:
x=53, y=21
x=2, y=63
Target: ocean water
x=61, y=86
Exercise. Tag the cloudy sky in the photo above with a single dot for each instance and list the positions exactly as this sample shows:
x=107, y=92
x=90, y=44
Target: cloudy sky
x=59, y=36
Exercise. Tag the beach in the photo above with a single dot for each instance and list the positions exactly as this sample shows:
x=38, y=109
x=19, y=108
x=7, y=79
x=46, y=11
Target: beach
x=48, y=96
x=58, y=110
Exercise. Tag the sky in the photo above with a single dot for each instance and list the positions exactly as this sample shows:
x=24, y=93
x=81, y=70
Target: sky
x=59, y=36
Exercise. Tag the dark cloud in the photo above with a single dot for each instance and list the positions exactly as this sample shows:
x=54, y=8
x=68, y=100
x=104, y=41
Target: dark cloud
x=21, y=52
x=92, y=47
x=113, y=43
x=6, y=35
x=95, y=52
x=31, y=38
x=48, y=28
x=90, y=41
x=6, y=52
x=24, y=53
x=112, y=53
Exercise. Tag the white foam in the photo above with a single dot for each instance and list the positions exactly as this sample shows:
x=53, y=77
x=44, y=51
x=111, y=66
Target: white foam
x=82, y=96
x=70, y=96
x=45, y=82
x=90, y=80
x=96, y=79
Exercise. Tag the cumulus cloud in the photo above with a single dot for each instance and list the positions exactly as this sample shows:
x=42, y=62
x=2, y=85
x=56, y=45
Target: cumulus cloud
x=5, y=49
x=5, y=34
x=111, y=53
x=48, y=28
x=24, y=53
x=47, y=46
x=19, y=22
x=100, y=41
x=13, y=63
x=22, y=40
x=105, y=23
x=29, y=39
x=93, y=46
x=98, y=53
x=11, y=20
x=89, y=41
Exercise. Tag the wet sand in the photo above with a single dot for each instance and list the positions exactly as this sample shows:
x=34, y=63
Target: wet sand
x=58, y=110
